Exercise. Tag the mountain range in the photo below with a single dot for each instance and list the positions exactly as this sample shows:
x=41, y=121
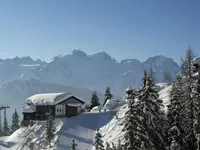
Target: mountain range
x=78, y=73
x=94, y=72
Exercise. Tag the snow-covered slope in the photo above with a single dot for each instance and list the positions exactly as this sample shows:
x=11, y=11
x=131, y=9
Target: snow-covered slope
x=15, y=92
x=81, y=128
x=112, y=132
x=95, y=71
x=23, y=137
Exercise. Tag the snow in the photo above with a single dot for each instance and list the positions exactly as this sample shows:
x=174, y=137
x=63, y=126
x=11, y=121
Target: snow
x=28, y=110
x=164, y=95
x=196, y=60
x=15, y=92
x=112, y=132
x=30, y=65
x=19, y=139
x=127, y=72
x=81, y=128
x=82, y=70
x=74, y=105
x=48, y=98
x=112, y=104
x=96, y=109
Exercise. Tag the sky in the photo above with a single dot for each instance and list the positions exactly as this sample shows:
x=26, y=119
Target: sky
x=122, y=28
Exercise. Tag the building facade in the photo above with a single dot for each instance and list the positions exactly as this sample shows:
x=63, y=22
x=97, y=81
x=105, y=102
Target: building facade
x=58, y=105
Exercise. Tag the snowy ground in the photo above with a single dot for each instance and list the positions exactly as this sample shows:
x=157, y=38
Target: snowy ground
x=81, y=128
x=112, y=132
x=21, y=139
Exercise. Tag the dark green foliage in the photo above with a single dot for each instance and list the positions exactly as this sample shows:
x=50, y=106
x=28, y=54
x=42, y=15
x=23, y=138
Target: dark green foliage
x=151, y=116
x=187, y=64
x=176, y=133
x=196, y=99
x=119, y=145
x=98, y=142
x=187, y=98
x=132, y=124
x=108, y=95
x=108, y=146
x=15, y=122
x=94, y=100
x=73, y=145
x=50, y=130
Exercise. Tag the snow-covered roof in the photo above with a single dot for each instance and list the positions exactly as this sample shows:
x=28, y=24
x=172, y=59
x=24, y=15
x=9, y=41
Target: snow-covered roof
x=49, y=98
x=28, y=110
x=196, y=60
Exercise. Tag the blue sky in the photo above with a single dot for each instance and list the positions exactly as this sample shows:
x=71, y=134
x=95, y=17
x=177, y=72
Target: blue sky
x=122, y=28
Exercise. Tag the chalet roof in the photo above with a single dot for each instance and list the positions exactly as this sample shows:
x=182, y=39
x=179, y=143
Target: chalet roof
x=28, y=110
x=50, y=98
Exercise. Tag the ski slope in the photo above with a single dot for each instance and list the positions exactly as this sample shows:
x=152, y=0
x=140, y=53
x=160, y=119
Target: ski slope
x=82, y=129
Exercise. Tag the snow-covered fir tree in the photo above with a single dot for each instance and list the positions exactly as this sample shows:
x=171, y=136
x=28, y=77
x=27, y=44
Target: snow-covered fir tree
x=94, y=100
x=108, y=95
x=175, y=145
x=196, y=110
x=6, y=129
x=131, y=123
x=114, y=146
x=108, y=146
x=50, y=130
x=15, y=122
x=187, y=98
x=119, y=145
x=176, y=134
x=151, y=115
x=98, y=142
x=73, y=145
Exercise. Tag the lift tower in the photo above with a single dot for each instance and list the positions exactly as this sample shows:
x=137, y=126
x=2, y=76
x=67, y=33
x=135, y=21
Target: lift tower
x=3, y=108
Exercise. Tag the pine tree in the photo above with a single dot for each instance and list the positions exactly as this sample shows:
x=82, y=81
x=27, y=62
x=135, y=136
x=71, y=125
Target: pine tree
x=187, y=63
x=131, y=122
x=176, y=134
x=108, y=95
x=175, y=145
x=119, y=145
x=151, y=115
x=113, y=146
x=108, y=146
x=187, y=98
x=73, y=145
x=94, y=100
x=98, y=142
x=196, y=110
x=50, y=130
x=15, y=122
x=5, y=127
